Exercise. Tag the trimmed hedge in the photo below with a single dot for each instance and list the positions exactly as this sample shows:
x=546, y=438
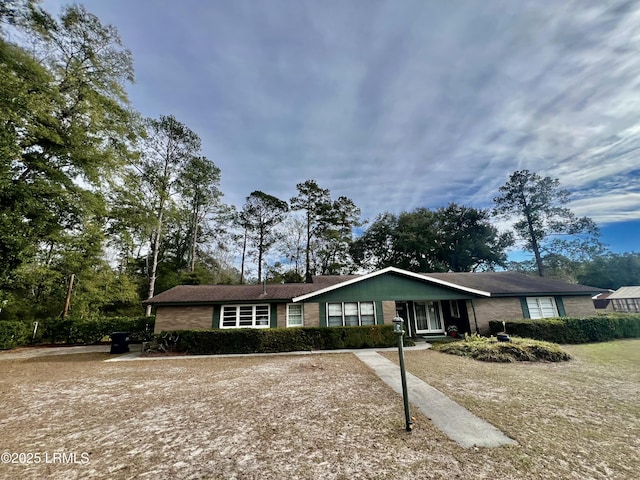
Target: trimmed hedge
x=60, y=330
x=69, y=331
x=601, y=328
x=13, y=334
x=270, y=340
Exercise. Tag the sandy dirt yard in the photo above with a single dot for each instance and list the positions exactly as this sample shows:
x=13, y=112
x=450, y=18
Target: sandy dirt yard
x=281, y=417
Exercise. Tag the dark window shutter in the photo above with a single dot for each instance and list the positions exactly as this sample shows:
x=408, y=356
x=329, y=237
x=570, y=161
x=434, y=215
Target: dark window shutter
x=525, y=307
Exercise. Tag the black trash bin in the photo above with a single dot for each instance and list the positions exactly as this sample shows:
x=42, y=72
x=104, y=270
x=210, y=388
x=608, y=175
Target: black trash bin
x=503, y=337
x=119, y=342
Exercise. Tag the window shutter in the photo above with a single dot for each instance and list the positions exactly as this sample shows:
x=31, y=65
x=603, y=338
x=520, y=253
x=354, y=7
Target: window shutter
x=560, y=306
x=525, y=307
x=217, y=309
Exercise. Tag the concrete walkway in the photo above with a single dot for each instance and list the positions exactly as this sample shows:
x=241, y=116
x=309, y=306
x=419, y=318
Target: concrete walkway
x=457, y=422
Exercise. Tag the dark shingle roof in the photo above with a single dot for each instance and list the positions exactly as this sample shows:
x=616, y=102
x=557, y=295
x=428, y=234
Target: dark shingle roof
x=239, y=293
x=495, y=283
x=512, y=283
x=327, y=280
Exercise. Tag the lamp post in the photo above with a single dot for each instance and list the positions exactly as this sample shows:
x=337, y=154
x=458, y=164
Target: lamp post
x=398, y=329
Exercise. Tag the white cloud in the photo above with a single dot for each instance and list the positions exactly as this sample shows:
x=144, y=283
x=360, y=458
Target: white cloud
x=609, y=208
x=399, y=104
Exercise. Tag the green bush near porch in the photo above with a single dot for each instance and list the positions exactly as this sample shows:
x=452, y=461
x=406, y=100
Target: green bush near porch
x=515, y=350
x=271, y=340
x=600, y=328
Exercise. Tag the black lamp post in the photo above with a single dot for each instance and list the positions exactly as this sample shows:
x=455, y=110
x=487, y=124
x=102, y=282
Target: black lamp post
x=398, y=329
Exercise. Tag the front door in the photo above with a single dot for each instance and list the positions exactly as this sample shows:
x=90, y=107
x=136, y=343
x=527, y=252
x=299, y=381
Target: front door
x=402, y=311
x=428, y=319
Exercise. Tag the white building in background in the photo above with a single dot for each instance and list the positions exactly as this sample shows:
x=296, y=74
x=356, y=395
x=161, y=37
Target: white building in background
x=625, y=299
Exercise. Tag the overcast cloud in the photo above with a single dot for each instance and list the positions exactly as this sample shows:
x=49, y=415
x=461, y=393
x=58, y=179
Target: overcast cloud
x=398, y=104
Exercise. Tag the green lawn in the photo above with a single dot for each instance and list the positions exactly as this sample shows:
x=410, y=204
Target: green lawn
x=578, y=419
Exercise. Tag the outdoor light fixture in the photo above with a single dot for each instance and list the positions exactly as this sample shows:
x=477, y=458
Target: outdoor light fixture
x=398, y=323
x=398, y=329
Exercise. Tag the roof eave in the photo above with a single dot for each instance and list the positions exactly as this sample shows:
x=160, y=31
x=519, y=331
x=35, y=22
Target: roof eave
x=544, y=294
x=217, y=302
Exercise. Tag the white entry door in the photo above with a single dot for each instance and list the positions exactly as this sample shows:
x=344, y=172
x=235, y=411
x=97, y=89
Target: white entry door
x=428, y=318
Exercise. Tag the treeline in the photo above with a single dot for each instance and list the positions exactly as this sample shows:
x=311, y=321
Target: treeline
x=101, y=208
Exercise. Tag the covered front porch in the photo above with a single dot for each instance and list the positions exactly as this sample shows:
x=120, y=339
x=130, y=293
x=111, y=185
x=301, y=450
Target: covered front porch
x=434, y=318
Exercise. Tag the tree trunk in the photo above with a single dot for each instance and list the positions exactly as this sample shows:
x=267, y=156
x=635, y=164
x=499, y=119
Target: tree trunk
x=535, y=247
x=194, y=241
x=154, y=261
x=307, y=263
x=67, y=301
x=536, y=252
x=244, y=252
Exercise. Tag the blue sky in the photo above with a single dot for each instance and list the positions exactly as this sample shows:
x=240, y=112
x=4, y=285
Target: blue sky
x=400, y=104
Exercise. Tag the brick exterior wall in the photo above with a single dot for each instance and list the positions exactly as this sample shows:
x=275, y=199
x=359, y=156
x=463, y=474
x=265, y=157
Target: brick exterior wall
x=388, y=311
x=282, y=315
x=579, y=306
x=488, y=309
x=183, y=318
x=311, y=314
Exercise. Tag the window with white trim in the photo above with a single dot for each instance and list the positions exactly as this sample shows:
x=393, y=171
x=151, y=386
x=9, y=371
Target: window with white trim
x=351, y=314
x=542, y=307
x=245, y=316
x=295, y=315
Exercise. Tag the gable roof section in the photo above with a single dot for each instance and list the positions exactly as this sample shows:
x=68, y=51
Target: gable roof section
x=484, y=284
x=418, y=276
x=626, y=292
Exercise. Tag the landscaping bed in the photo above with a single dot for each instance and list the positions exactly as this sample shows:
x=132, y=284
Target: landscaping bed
x=514, y=349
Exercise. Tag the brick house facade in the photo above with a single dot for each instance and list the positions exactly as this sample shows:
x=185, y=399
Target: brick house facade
x=431, y=304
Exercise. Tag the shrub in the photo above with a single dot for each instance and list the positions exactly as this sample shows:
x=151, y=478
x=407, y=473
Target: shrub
x=600, y=328
x=251, y=340
x=54, y=330
x=516, y=350
x=13, y=334
x=73, y=331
